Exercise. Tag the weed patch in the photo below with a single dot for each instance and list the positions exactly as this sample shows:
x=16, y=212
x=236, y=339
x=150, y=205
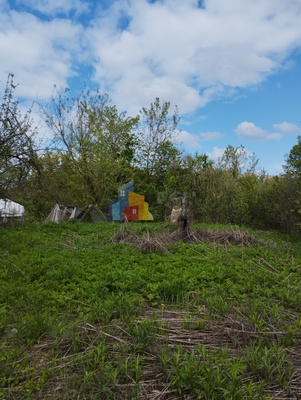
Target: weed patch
x=86, y=312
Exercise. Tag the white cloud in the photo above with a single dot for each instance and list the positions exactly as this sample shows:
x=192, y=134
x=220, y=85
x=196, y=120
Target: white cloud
x=193, y=141
x=133, y=97
x=190, y=140
x=140, y=50
x=249, y=130
x=190, y=55
x=216, y=153
x=208, y=136
x=39, y=54
x=286, y=127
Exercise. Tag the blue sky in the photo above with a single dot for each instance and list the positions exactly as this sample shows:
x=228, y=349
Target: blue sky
x=233, y=67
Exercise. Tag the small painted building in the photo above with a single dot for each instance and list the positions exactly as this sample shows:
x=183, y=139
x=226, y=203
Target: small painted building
x=129, y=206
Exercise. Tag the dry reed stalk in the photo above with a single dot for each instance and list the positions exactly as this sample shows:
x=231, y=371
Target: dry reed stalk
x=185, y=233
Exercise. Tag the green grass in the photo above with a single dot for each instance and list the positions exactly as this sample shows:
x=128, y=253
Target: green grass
x=83, y=318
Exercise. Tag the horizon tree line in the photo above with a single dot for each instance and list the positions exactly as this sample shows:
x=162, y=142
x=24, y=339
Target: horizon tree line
x=94, y=149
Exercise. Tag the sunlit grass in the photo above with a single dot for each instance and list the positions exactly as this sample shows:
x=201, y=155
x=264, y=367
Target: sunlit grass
x=82, y=317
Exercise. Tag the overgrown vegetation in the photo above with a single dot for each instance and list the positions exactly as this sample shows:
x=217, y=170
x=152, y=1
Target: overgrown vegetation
x=82, y=316
x=144, y=311
x=18, y=147
x=94, y=148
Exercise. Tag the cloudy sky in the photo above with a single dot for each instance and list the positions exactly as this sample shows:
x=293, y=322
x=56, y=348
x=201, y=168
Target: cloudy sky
x=233, y=67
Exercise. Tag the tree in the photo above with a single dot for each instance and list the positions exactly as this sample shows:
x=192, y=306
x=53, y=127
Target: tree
x=98, y=143
x=56, y=183
x=194, y=180
x=157, y=131
x=293, y=159
x=18, y=153
x=157, y=157
x=292, y=180
x=237, y=160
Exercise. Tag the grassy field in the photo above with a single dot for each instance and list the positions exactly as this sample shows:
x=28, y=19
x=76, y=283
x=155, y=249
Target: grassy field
x=115, y=311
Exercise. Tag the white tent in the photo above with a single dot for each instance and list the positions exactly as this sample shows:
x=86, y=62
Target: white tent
x=62, y=213
x=10, y=210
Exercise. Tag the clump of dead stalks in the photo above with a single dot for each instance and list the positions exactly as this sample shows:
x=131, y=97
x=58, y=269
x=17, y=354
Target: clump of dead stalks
x=157, y=243
x=123, y=236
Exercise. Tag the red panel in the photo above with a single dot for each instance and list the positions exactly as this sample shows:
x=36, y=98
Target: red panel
x=131, y=213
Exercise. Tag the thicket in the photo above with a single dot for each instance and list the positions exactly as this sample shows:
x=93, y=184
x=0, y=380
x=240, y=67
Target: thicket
x=94, y=149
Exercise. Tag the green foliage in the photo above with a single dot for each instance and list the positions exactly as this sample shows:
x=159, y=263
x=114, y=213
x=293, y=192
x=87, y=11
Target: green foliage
x=203, y=320
x=293, y=159
x=18, y=157
x=157, y=157
x=209, y=374
x=275, y=204
x=268, y=362
x=95, y=143
x=237, y=161
x=156, y=131
x=94, y=149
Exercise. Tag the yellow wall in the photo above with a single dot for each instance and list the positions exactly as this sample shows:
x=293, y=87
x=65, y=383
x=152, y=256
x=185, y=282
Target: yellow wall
x=137, y=200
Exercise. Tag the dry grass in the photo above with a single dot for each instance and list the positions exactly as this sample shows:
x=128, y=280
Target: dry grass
x=157, y=243
x=235, y=332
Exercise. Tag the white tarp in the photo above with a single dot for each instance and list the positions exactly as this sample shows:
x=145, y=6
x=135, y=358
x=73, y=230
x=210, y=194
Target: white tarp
x=10, y=209
x=63, y=213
